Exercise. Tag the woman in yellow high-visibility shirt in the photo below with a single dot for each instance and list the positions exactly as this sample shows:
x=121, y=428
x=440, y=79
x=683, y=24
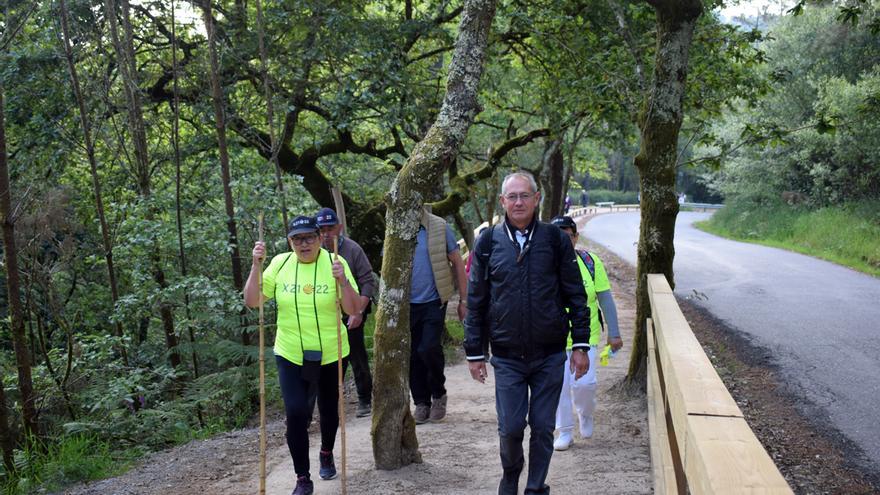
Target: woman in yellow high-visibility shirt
x=582, y=391
x=303, y=284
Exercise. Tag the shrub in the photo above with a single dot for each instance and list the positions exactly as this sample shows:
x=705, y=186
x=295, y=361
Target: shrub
x=602, y=195
x=50, y=466
x=848, y=234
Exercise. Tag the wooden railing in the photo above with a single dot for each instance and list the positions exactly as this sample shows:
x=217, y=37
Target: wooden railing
x=700, y=442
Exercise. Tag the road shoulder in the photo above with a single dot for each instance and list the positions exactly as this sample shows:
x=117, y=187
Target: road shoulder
x=812, y=457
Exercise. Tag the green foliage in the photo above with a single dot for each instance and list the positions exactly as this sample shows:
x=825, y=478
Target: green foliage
x=452, y=349
x=369, y=329
x=619, y=197
x=455, y=330
x=815, y=134
x=848, y=234
x=49, y=466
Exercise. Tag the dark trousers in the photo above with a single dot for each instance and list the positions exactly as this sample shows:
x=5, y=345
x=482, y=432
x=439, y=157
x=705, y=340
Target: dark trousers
x=360, y=363
x=527, y=388
x=298, y=396
x=426, y=362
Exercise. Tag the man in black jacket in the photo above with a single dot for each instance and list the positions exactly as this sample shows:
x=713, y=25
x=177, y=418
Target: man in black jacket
x=524, y=289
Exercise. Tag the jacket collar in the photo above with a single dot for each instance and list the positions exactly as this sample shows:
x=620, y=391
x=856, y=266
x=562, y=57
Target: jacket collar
x=526, y=232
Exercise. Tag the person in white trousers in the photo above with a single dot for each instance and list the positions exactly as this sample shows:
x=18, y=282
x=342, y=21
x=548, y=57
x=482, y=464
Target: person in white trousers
x=582, y=392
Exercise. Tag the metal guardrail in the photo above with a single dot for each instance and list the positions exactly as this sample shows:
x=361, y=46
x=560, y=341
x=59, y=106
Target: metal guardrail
x=701, y=206
x=700, y=442
x=601, y=207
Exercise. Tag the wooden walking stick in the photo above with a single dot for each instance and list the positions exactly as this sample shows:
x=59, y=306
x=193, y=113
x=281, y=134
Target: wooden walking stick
x=340, y=214
x=340, y=208
x=262, y=373
x=339, y=367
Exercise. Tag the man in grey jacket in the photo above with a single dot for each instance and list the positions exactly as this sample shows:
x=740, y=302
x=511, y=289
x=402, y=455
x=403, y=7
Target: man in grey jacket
x=363, y=273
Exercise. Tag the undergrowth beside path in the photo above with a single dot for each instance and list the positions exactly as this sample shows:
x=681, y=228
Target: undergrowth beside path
x=848, y=235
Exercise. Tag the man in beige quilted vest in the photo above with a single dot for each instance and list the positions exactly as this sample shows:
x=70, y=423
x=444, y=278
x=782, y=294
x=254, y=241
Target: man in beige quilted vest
x=438, y=271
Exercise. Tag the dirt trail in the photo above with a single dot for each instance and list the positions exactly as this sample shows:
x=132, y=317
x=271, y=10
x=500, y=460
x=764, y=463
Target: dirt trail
x=460, y=455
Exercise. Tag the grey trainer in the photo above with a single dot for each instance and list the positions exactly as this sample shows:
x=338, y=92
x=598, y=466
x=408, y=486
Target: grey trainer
x=438, y=409
x=364, y=409
x=422, y=413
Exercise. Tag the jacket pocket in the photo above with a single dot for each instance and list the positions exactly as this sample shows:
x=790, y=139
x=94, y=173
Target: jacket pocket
x=551, y=327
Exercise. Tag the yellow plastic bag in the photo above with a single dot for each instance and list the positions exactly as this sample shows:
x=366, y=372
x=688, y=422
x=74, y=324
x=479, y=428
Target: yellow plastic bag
x=604, y=355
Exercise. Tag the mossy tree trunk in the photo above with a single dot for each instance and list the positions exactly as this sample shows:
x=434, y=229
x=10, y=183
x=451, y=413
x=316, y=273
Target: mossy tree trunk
x=660, y=122
x=393, y=431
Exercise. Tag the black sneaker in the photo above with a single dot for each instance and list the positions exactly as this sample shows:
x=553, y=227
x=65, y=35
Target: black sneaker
x=304, y=486
x=328, y=467
x=364, y=409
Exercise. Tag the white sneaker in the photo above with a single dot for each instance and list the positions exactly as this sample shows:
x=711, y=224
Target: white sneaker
x=586, y=426
x=563, y=441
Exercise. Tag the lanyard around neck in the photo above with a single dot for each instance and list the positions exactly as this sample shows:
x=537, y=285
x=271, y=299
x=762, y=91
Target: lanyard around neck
x=521, y=251
x=314, y=303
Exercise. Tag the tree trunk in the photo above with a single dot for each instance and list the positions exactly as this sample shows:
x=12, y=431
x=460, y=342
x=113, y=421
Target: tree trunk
x=96, y=183
x=551, y=179
x=47, y=360
x=567, y=170
x=660, y=123
x=220, y=126
x=494, y=188
x=475, y=204
x=53, y=312
x=467, y=230
x=270, y=111
x=393, y=430
x=577, y=133
x=16, y=315
x=175, y=140
x=128, y=72
x=557, y=178
x=5, y=433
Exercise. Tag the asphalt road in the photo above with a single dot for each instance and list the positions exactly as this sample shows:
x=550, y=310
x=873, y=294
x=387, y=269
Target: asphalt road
x=817, y=321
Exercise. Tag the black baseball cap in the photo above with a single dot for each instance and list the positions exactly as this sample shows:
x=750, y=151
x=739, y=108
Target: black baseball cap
x=326, y=217
x=565, y=223
x=302, y=225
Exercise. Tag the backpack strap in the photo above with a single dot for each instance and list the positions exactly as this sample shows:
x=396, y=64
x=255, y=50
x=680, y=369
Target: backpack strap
x=486, y=238
x=591, y=267
x=589, y=262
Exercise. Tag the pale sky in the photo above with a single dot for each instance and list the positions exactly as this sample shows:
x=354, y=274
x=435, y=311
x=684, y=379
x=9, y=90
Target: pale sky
x=753, y=7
